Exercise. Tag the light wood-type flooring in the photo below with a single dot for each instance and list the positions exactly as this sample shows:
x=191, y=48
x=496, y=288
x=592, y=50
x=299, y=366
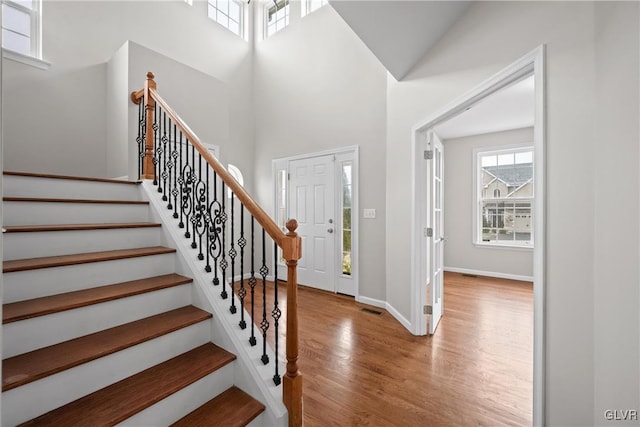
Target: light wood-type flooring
x=363, y=369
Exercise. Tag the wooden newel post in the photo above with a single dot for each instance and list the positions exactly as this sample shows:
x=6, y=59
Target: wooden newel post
x=148, y=168
x=292, y=381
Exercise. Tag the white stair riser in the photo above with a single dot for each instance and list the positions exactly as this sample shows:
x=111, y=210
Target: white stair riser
x=257, y=422
x=31, y=334
x=181, y=403
x=25, y=186
x=38, y=397
x=38, y=213
x=51, y=243
x=23, y=285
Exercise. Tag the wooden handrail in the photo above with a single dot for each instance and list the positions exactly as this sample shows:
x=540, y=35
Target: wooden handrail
x=290, y=243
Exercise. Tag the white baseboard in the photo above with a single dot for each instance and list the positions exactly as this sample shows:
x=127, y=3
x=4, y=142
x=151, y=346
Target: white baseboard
x=385, y=305
x=489, y=274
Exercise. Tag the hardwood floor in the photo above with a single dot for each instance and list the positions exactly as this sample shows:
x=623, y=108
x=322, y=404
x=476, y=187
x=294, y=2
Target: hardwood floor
x=361, y=368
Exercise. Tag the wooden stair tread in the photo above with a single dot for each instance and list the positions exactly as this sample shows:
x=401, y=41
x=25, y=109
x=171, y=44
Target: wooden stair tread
x=34, y=365
x=68, y=200
x=119, y=401
x=28, y=309
x=75, y=227
x=69, y=177
x=231, y=408
x=73, y=259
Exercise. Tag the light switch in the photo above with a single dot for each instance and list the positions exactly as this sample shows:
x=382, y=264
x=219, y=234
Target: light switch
x=370, y=213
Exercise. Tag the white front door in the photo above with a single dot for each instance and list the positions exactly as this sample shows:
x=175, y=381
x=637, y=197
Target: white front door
x=435, y=243
x=312, y=204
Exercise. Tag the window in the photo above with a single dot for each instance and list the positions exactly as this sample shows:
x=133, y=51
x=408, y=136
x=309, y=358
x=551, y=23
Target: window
x=505, y=194
x=21, y=27
x=347, y=168
x=309, y=6
x=234, y=171
x=228, y=13
x=276, y=15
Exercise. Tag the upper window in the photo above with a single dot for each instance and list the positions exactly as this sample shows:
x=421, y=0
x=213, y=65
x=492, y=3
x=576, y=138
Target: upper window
x=276, y=15
x=309, y=6
x=504, y=197
x=228, y=13
x=21, y=26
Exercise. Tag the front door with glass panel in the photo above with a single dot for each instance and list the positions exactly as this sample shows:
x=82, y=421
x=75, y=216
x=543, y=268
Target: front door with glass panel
x=312, y=204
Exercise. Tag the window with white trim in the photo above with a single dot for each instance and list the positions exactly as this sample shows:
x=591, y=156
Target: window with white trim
x=276, y=16
x=309, y=6
x=21, y=27
x=228, y=13
x=505, y=194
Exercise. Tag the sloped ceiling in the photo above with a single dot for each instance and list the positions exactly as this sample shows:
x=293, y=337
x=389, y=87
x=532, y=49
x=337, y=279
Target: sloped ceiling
x=399, y=33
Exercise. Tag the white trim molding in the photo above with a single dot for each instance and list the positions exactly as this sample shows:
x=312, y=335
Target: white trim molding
x=489, y=274
x=386, y=306
x=26, y=59
x=532, y=63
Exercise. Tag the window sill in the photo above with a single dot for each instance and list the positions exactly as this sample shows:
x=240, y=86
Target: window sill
x=503, y=246
x=25, y=59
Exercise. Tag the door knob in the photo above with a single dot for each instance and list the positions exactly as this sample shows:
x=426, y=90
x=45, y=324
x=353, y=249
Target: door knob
x=330, y=230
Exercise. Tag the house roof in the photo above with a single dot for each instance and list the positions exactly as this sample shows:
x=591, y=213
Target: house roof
x=512, y=175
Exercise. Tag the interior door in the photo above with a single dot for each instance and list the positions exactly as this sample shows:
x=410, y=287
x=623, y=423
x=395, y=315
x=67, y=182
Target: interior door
x=435, y=244
x=312, y=204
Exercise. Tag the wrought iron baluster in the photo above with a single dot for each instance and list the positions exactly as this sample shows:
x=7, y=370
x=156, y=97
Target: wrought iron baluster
x=208, y=221
x=181, y=183
x=232, y=256
x=264, y=324
x=276, y=313
x=155, y=143
x=140, y=138
x=162, y=149
x=242, y=292
x=214, y=230
x=223, y=262
x=194, y=181
x=175, y=192
x=168, y=160
x=187, y=192
x=200, y=223
x=252, y=284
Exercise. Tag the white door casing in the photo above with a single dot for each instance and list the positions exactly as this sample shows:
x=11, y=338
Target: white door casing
x=312, y=204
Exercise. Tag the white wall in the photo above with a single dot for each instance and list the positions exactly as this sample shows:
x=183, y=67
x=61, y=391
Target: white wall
x=117, y=132
x=488, y=38
x=317, y=87
x=616, y=239
x=79, y=38
x=459, y=197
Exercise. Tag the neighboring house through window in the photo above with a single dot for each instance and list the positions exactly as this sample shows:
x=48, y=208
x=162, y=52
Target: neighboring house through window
x=21, y=27
x=505, y=193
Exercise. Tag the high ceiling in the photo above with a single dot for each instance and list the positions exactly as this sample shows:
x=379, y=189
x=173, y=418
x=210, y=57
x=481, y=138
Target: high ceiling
x=399, y=33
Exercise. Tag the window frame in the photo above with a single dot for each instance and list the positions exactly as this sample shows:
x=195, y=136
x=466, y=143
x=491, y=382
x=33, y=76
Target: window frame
x=34, y=57
x=268, y=5
x=242, y=18
x=306, y=6
x=477, y=240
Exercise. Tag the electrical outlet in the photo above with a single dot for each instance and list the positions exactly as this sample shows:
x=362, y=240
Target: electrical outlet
x=370, y=213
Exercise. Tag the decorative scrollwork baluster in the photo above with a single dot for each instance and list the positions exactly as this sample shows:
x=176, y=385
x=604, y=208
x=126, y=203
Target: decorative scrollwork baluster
x=175, y=192
x=232, y=256
x=223, y=262
x=252, y=285
x=199, y=220
x=181, y=183
x=208, y=222
x=242, y=292
x=155, y=143
x=215, y=245
x=276, y=313
x=162, y=149
x=140, y=138
x=264, y=324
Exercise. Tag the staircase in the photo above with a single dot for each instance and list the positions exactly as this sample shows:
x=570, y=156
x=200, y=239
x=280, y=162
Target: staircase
x=98, y=327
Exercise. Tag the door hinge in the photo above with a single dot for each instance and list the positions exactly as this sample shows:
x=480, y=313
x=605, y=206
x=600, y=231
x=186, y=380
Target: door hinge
x=428, y=154
x=427, y=309
x=288, y=177
x=428, y=232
